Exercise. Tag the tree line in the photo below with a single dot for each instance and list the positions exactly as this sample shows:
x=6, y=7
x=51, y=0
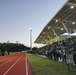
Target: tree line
x=12, y=47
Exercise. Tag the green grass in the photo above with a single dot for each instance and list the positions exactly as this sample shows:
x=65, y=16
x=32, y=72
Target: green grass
x=43, y=66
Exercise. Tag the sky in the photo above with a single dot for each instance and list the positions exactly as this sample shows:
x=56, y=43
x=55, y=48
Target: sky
x=18, y=16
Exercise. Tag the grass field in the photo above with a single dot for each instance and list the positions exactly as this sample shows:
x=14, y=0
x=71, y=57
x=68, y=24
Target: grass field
x=43, y=66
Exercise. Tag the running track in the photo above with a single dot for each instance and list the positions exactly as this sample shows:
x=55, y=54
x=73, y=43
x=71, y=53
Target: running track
x=16, y=64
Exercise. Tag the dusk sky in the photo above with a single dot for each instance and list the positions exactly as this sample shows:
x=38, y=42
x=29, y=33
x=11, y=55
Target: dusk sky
x=18, y=16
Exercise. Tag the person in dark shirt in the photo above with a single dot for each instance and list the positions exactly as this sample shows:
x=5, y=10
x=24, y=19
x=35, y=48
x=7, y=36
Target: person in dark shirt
x=74, y=57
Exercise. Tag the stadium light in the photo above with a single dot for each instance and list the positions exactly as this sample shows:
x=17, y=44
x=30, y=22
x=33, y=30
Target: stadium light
x=43, y=32
x=73, y=23
x=31, y=39
x=72, y=7
x=61, y=28
x=56, y=20
x=48, y=27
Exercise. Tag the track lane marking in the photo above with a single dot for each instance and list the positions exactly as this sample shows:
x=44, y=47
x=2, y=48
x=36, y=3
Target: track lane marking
x=26, y=65
x=7, y=61
x=12, y=65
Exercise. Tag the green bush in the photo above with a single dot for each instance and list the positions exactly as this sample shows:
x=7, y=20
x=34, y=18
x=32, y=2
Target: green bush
x=0, y=53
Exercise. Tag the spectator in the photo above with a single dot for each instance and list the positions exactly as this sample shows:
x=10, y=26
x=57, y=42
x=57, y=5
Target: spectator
x=63, y=55
x=58, y=54
x=74, y=57
x=70, y=58
x=5, y=53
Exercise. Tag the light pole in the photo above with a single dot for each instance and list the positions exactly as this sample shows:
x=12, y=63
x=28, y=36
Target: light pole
x=30, y=39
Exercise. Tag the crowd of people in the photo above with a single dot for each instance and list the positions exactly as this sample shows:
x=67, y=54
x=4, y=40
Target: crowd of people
x=64, y=51
x=4, y=53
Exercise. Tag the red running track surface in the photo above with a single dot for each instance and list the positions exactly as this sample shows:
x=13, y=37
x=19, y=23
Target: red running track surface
x=16, y=64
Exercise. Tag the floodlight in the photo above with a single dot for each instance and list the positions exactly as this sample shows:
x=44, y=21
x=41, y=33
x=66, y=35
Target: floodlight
x=72, y=7
x=56, y=20
x=43, y=32
x=61, y=28
x=48, y=27
x=73, y=23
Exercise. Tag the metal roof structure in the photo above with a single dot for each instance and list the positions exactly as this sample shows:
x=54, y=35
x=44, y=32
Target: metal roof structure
x=63, y=21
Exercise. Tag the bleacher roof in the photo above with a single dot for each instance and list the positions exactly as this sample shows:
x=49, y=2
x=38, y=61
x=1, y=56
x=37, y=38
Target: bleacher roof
x=64, y=21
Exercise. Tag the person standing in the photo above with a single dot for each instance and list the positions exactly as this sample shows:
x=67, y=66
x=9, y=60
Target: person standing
x=74, y=57
x=63, y=55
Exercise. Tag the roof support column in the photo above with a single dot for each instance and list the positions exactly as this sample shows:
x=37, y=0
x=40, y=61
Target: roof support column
x=45, y=40
x=54, y=32
x=66, y=29
x=48, y=36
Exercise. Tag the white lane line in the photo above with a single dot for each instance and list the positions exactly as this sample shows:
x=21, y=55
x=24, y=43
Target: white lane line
x=12, y=66
x=7, y=61
x=26, y=66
